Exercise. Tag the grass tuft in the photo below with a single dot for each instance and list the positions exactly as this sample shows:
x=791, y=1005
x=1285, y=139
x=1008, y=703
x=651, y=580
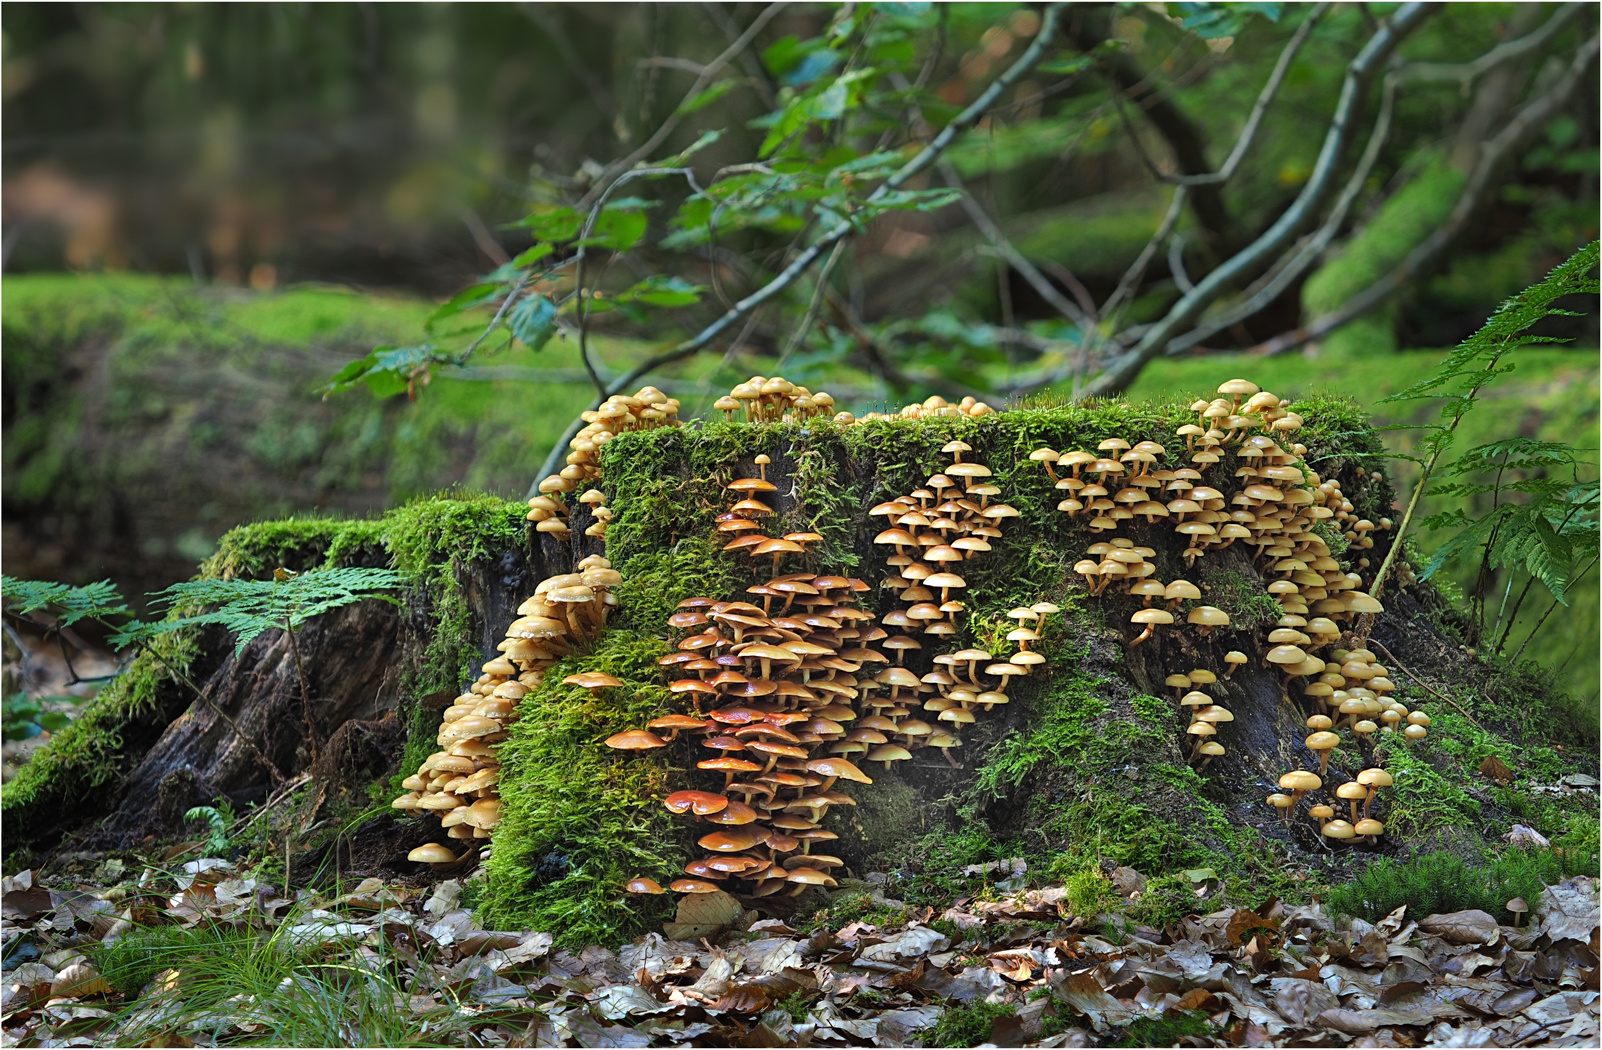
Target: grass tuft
x=1436, y=883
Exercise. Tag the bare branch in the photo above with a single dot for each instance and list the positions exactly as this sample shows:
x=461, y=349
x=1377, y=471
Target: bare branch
x=1005, y=248
x=1280, y=277
x=1359, y=75
x=545, y=16
x=1467, y=72
x=1530, y=118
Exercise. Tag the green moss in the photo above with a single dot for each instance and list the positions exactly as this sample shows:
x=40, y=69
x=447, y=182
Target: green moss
x=1436, y=883
x=1242, y=597
x=1164, y=1031
x=578, y=819
x=849, y=908
x=967, y=1025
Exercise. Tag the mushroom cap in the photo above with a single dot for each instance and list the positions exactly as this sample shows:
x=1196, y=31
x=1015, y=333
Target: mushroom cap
x=693, y=886
x=1300, y=780
x=838, y=767
x=1181, y=589
x=1212, y=749
x=1351, y=790
x=1286, y=655
x=1195, y=698
x=1319, y=721
x=701, y=803
x=1374, y=778
x=1321, y=812
x=809, y=877
x=1234, y=656
x=1208, y=616
x=1517, y=906
x=735, y=839
x=635, y=740
x=1369, y=826
x=888, y=753
x=1215, y=715
x=1151, y=616
x=1323, y=740
x=1339, y=829
x=1238, y=388
x=642, y=885
x=1279, y=801
x=432, y=853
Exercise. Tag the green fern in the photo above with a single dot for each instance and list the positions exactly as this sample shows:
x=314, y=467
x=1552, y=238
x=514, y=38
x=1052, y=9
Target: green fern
x=95, y=601
x=246, y=608
x=1543, y=517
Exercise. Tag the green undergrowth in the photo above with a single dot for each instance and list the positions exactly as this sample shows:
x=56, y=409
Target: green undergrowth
x=578, y=819
x=1439, y=882
x=290, y=993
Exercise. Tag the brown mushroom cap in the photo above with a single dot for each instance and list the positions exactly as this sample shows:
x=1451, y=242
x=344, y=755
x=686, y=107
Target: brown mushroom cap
x=635, y=740
x=592, y=680
x=642, y=885
x=1340, y=829
x=1377, y=778
x=432, y=853
x=1301, y=780
x=838, y=767
x=693, y=886
x=734, y=840
x=1208, y=616
x=1323, y=740
x=701, y=803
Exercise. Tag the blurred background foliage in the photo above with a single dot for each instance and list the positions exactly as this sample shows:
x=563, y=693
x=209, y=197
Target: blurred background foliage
x=209, y=209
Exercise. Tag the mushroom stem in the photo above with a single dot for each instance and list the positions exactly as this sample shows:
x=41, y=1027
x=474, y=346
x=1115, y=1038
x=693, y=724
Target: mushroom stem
x=828, y=782
x=1323, y=762
x=1142, y=636
x=1369, y=800
x=953, y=763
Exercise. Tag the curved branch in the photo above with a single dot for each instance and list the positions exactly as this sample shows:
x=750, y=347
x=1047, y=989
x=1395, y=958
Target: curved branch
x=1360, y=74
x=1466, y=73
x=1493, y=153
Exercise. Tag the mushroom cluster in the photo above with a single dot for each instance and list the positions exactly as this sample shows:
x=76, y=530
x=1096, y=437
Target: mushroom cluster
x=932, y=407
x=1272, y=503
x=1363, y=788
x=777, y=682
x=1205, y=715
x=934, y=531
x=647, y=409
x=459, y=782
x=743, y=520
x=1353, y=689
x=1121, y=562
x=761, y=399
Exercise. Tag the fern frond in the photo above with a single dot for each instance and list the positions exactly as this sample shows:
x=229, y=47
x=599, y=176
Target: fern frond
x=95, y=601
x=246, y=608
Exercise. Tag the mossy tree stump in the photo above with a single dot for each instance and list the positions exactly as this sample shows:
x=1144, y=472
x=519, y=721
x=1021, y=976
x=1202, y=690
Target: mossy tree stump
x=1088, y=760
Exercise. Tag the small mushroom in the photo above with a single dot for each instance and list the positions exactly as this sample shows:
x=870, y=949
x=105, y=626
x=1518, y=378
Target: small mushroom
x=1207, y=618
x=1149, y=619
x=1518, y=907
x=1373, y=780
x=1283, y=804
x=1322, y=743
x=1352, y=792
x=642, y=885
x=1339, y=830
x=1368, y=829
x=1234, y=658
x=432, y=854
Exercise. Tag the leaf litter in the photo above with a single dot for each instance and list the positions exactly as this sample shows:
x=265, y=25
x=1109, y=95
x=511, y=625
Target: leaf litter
x=722, y=976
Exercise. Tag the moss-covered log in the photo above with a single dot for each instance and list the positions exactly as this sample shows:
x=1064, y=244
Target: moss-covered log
x=1087, y=762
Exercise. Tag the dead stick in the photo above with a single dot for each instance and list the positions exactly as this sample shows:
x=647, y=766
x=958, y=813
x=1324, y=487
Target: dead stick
x=1392, y=658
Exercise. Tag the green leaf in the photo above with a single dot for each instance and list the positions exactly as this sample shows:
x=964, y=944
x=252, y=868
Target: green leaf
x=530, y=256
x=95, y=601
x=1066, y=64
x=532, y=320
x=552, y=222
x=706, y=97
x=663, y=290
x=466, y=299
x=620, y=225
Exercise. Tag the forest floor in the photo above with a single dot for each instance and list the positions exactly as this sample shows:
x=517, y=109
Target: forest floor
x=186, y=953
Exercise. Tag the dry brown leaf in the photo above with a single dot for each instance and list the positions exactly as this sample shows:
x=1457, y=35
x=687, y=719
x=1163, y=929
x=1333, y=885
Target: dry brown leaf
x=1470, y=926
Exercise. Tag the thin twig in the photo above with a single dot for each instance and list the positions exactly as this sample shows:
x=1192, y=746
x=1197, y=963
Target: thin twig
x=1423, y=684
x=1467, y=72
x=649, y=146
x=811, y=315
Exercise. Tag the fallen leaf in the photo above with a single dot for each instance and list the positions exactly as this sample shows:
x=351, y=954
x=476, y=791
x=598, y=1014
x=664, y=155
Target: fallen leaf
x=1471, y=926
x=1569, y=910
